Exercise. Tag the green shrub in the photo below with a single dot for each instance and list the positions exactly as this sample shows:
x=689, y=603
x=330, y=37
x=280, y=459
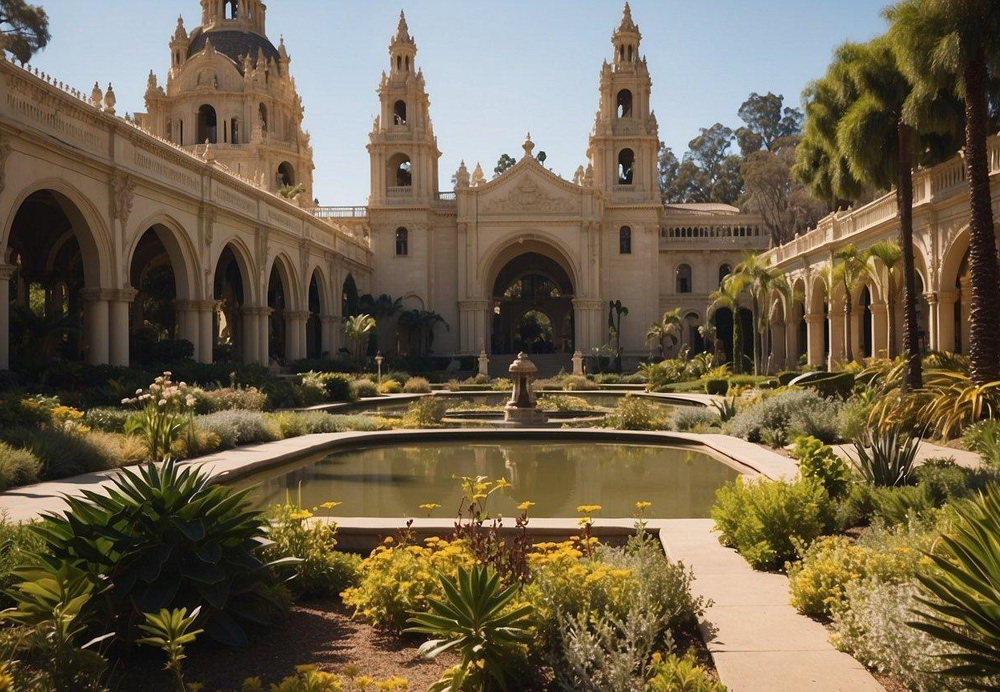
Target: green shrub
x=417, y=385
x=363, y=389
x=426, y=412
x=194, y=546
x=768, y=522
x=578, y=383
x=828, y=384
x=718, y=386
x=62, y=452
x=682, y=674
x=338, y=387
x=17, y=467
x=310, y=389
x=817, y=460
x=18, y=542
x=226, y=398
x=984, y=439
x=786, y=376
x=694, y=418
x=237, y=428
x=107, y=418
x=631, y=413
x=298, y=423
x=20, y=411
x=854, y=417
x=794, y=412
x=887, y=457
x=322, y=570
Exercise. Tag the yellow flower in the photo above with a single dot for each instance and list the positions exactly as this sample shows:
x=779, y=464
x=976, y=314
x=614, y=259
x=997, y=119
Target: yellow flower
x=643, y=506
x=305, y=668
x=300, y=515
x=588, y=509
x=503, y=483
x=330, y=505
x=429, y=507
x=526, y=505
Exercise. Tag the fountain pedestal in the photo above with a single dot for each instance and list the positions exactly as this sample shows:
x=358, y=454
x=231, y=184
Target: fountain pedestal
x=522, y=409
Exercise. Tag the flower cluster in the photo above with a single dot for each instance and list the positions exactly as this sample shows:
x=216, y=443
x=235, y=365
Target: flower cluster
x=164, y=394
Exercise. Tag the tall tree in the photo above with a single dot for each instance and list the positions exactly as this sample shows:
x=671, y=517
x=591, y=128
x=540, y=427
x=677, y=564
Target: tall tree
x=955, y=44
x=757, y=278
x=786, y=207
x=768, y=121
x=885, y=129
x=728, y=296
x=668, y=326
x=504, y=163
x=24, y=28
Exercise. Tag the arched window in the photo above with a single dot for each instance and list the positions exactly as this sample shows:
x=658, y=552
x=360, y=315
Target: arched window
x=232, y=9
x=625, y=241
x=399, y=113
x=286, y=175
x=262, y=116
x=684, y=278
x=180, y=132
x=724, y=271
x=400, y=171
x=630, y=53
x=208, y=130
x=624, y=103
x=626, y=166
x=234, y=131
x=402, y=242
x=399, y=62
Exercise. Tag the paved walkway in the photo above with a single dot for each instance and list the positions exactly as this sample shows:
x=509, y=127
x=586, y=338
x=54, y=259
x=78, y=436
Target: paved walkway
x=758, y=641
x=927, y=450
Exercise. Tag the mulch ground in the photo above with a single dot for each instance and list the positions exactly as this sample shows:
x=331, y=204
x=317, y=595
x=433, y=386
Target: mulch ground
x=317, y=633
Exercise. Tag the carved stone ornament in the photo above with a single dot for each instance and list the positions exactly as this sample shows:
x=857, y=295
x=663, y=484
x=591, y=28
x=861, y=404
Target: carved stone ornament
x=528, y=197
x=123, y=188
x=5, y=150
x=209, y=226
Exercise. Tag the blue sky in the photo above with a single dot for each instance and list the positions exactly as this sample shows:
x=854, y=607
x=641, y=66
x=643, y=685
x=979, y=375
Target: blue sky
x=494, y=70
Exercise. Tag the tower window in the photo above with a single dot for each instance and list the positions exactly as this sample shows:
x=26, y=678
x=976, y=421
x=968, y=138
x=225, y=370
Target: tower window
x=402, y=242
x=180, y=133
x=724, y=271
x=234, y=131
x=232, y=9
x=407, y=63
x=262, y=115
x=169, y=135
x=286, y=175
x=208, y=131
x=399, y=62
x=626, y=166
x=684, y=278
x=630, y=53
x=624, y=103
x=625, y=241
x=400, y=171
x=399, y=113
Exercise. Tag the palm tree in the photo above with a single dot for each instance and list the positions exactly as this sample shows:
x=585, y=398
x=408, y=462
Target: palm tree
x=41, y=332
x=357, y=329
x=758, y=279
x=383, y=309
x=668, y=325
x=849, y=270
x=955, y=44
x=888, y=253
x=728, y=296
x=422, y=323
x=885, y=129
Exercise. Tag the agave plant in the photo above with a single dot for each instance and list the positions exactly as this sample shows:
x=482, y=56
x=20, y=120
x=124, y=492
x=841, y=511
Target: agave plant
x=163, y=537
x=962, y=598
x=886, y=458
x=478, y=619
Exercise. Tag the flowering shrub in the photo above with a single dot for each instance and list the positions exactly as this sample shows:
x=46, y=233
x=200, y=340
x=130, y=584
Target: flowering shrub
x=226, y=398
x=167, y=410
x=426, y=412
x=681, y=674
x=363, y=389
x=390, y=387
x=308, y=678
x=398, y=578
x=631, y=413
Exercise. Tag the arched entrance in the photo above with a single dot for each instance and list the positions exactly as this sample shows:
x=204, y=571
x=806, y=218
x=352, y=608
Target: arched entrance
x=532, y=306
x=154, y=311
x=232, y=295
x=314, y=325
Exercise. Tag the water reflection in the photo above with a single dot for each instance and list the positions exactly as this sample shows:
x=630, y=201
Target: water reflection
x=384, y=481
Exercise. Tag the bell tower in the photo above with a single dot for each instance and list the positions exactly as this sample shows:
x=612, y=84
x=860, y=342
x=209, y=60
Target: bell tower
x=402, y=146
x=625, y=140
x=235, y=15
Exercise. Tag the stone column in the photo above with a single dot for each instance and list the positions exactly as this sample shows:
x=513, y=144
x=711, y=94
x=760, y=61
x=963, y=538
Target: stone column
x=119, y=302
x=791, y=344
x=96, y=320
x=777, y=343
x=296, y=332
x=815, y=331
x=933, y=326
x=6, y=273
x=251, y=337
x=946, y=301
x=206, y=330
x=264, y=335
x=589, y=316
x=472, y=315
x=188, y=324
x=880, y=330
x=836, y=339
x=328, y=327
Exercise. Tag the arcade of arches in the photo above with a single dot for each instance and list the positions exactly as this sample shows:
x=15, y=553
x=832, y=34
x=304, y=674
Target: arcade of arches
x=532, y=307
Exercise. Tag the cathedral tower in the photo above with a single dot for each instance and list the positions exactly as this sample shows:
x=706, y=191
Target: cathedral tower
x=625, y=140
x=229, y=96
x=402, y=146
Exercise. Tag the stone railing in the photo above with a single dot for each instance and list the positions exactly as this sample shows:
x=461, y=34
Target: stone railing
x=340, y=212
x=35, y=101
x=930, y=185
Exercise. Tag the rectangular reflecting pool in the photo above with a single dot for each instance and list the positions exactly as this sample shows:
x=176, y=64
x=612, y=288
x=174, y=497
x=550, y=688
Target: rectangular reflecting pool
x=557, y=475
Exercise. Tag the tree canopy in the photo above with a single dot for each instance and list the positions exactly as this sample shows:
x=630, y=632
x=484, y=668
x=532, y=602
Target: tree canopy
x=24, y=28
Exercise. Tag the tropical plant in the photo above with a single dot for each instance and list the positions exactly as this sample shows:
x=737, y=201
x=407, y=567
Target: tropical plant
x=728, y=296
x=668, y=326
x=886, y=458
x=984, y=438
x=850, y=269
x=885, y=255
x=357, y=329
x=171, y=631
x=165, y=537
x=961, y=602
x=167, y=411
x=955, y=45
x=51, y=606
x=616, y=311
x=479, y=620
x=759, y=280
x=291, y=192
x=421, y=324
x=40, y=333
x=817, y=460
x=681, y=674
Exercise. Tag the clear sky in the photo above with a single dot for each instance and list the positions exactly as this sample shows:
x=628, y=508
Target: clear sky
x=494, y=70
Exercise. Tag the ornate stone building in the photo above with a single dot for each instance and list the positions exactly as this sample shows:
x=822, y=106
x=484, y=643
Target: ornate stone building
x=230, y=95
x=529, y=251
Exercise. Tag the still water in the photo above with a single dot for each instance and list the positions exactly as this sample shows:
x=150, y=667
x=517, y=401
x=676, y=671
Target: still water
x=558, y=476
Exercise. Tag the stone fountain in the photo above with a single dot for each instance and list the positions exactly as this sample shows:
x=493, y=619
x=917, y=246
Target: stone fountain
x=522, y=409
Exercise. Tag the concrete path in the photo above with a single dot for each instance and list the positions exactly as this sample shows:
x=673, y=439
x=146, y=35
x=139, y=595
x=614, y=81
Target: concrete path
x=927, y=450
x=758, y=641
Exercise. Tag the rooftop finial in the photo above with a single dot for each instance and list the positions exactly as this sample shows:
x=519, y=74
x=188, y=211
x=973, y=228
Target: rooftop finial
x=402, y=31
x=627, y=25
x=528, y=146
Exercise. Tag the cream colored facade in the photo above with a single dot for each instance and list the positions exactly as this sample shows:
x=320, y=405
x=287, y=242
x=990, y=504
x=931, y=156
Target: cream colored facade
x=93, y=204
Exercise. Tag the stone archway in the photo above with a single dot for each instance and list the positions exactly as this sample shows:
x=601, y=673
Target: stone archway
x=525, y=286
